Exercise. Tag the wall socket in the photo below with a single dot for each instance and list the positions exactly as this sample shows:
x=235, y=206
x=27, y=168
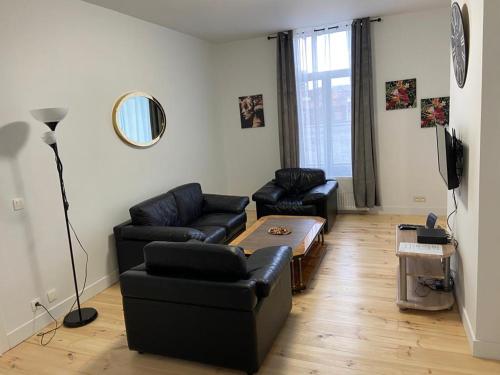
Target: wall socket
x=18, y=204
x=34, y=307
x=51, y=295
x=419, y=199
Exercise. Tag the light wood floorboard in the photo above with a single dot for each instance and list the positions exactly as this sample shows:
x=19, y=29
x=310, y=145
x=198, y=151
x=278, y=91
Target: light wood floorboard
x=347, y=322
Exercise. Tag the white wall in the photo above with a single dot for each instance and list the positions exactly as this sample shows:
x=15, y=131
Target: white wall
x=70, y=53
x=465, y=117
x=250, y=155
x=412, y=45
x=488, y=309
x=476, y=116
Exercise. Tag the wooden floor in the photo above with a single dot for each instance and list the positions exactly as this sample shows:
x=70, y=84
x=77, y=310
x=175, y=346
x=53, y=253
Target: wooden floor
x=346, y=323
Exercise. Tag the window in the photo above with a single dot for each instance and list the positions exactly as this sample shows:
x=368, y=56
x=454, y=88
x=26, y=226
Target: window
x=323, y=79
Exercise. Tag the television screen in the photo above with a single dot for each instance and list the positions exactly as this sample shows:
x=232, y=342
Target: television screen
x=446, y=157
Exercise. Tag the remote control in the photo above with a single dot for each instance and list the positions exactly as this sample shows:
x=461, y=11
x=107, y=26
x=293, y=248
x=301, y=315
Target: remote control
x=409, y=226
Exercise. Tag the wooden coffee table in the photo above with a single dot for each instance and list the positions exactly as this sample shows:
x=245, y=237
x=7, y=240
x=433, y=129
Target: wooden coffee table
x=306, y=240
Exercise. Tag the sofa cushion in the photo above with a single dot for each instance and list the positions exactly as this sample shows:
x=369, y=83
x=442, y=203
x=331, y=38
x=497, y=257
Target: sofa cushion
x=214, y=234
x=189, y=199
x=299, y=180
x=228, y=221
x=157, y=211
x=195, y=260
x=289, y=208
x=224, y=203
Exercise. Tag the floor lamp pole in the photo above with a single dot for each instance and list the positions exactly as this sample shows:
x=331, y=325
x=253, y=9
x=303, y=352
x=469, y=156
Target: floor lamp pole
x=79, y=317
x=66, y=206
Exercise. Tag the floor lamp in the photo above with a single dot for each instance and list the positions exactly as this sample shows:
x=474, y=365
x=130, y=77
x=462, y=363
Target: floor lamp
x=51, y=117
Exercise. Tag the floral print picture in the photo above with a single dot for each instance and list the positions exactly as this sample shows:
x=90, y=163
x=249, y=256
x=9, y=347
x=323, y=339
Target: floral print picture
x=401, y=94
x=435, y=111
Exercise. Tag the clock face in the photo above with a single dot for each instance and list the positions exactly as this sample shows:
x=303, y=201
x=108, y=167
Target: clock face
x=458, y=45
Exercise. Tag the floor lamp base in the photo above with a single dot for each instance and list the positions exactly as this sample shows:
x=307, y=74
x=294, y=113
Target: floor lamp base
x=72, y=320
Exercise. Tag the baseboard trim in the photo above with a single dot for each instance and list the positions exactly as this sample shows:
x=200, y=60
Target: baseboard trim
x=469, y=332
x=479, y=348
x=486, y=349
x=28, y=329
x=399, y=210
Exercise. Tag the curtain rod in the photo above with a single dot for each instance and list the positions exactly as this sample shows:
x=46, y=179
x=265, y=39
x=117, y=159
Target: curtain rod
x=274, y=36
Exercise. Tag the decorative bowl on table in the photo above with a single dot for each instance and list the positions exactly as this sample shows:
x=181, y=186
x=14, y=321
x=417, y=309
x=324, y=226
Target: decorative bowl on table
x=279, y=231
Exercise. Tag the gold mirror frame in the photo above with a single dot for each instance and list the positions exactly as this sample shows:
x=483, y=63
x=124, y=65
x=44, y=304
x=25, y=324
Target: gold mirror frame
x=116, y=122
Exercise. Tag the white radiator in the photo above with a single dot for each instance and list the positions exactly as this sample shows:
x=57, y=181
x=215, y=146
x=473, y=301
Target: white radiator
x=345, y=196
x=346, y=200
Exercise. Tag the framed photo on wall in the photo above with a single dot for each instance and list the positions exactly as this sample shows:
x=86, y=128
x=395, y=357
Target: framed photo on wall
x=252, y=111
x=401, y=94
x=435, y=111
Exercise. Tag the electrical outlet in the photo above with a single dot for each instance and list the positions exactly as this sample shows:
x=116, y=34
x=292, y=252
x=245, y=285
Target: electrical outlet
x=419, y=199
x=18, y=204
x=34, y=307
x=51, y=295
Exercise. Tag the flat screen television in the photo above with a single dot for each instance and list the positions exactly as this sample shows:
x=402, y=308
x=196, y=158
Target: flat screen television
x=449, y=150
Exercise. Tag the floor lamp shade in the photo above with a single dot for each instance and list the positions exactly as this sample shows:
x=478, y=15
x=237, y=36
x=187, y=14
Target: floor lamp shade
x=51, y=117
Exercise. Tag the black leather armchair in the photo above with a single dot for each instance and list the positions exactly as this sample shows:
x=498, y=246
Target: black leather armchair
x=301, y=192
x=181, y=214
x=207, y=302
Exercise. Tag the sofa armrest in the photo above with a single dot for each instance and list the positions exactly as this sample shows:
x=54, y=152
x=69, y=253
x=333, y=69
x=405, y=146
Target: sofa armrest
x=266, y=265
x=269, y=193
x=321, y=192
x=224, y=203
x=156, y=233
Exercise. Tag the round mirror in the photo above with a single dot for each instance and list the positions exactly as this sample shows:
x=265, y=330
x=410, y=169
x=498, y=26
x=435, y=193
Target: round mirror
x=139, y=119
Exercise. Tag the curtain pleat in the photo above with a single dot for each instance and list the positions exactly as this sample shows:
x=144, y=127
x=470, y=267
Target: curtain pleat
x=363, y=150
x=287, y=102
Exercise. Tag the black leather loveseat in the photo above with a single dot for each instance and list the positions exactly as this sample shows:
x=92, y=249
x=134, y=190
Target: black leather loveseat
x=298, y=191
x=181, y=214
x=207, y=302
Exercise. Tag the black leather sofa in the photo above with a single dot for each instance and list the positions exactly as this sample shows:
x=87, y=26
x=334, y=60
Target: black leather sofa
x=181, y=214
x=207, y=302
x=301, y=192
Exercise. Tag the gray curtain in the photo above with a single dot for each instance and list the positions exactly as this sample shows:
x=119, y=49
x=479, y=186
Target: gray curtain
x=287, y=102
x=363, y=151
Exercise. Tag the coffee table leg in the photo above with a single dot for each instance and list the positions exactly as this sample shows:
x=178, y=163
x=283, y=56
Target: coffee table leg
x=292, y=268
x=321, y=238
x=301, y=281
x=402, y=279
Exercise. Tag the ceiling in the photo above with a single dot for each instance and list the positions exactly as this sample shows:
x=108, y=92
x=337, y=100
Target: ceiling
x=222, y=21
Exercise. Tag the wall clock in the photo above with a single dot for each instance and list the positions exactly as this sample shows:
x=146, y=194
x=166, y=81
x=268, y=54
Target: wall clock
x=458, y=45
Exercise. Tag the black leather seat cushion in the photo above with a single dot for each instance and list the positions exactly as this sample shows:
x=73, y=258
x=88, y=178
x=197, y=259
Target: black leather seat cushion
x=195, y=260
x=226, y=220
x=157, y=211
x=290, y=208
x=189, y=199
x=213, y=234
